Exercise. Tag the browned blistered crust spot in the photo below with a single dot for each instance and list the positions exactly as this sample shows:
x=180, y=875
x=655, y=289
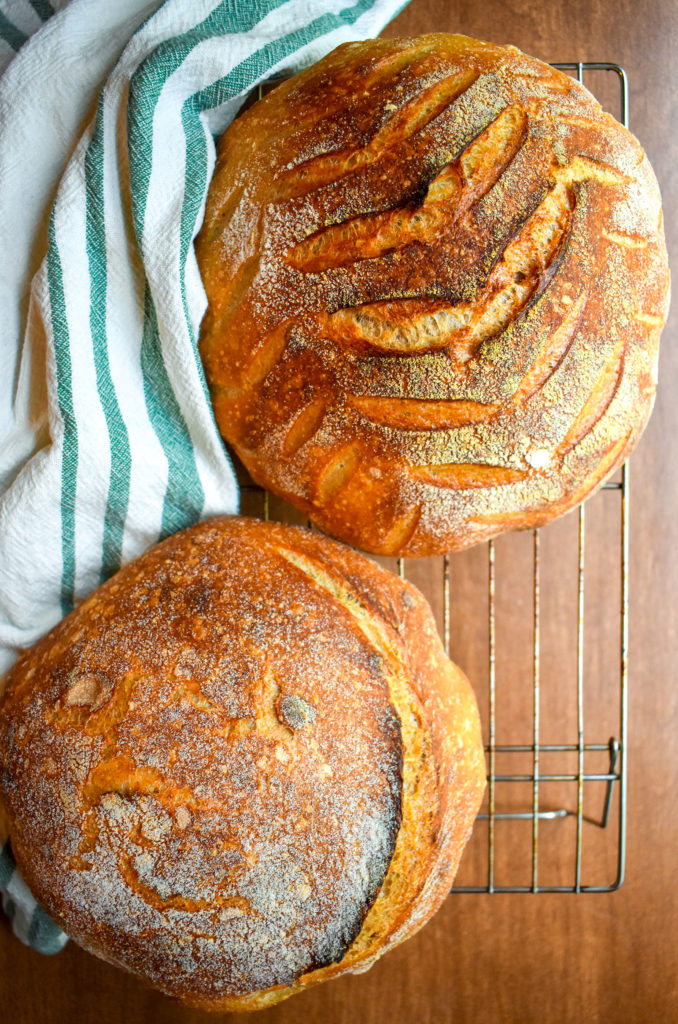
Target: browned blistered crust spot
x=88, y=691
x=182, y=817
x=295, y=712
x=430, y=251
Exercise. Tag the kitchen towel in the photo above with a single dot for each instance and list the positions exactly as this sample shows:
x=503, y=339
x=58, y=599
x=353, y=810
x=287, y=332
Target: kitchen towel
x=108, y=116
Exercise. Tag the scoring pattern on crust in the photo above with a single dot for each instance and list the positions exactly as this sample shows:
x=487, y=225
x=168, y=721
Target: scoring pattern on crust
x=436, y=277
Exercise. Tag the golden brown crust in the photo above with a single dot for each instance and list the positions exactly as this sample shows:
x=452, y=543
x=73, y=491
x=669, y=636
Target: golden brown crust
x=242, y=766
x=436, y=276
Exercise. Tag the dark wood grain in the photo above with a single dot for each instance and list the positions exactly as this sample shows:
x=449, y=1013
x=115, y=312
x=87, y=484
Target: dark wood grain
x=564, y=959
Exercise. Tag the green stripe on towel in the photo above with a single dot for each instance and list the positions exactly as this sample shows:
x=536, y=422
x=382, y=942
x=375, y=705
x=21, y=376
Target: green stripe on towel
x=42, y=8
x=10, y=33
x=118, y=437
x=184, y=497
x=69, y=464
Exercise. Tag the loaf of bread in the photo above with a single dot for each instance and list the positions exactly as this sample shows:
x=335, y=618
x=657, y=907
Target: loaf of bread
x=436, y=276
x=242, y=766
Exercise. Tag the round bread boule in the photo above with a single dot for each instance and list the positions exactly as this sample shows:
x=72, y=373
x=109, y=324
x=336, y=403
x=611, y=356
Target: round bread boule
x=436, y=276
x=242, y=766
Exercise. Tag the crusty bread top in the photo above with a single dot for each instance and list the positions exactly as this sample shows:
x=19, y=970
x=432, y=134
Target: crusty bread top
x=437, y=276
x=242, y=765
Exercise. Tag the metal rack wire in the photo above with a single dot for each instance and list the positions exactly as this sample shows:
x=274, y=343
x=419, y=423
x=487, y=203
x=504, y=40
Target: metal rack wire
x=540, y=816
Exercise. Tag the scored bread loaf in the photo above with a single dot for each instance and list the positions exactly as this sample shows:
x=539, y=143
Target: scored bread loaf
x=436, y=277
x=242, y=766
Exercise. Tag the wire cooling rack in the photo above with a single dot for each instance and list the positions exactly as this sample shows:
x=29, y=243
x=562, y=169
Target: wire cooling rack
x=554, y=816
x=540, y=814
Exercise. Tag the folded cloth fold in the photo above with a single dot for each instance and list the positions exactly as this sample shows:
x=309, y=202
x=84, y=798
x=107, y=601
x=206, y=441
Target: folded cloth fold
x=109, y=113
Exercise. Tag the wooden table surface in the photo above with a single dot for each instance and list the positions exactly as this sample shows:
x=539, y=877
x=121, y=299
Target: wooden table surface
x=544, y=958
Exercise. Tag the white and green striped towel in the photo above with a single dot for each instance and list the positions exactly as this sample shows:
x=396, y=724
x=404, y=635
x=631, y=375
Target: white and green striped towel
x=107, y=439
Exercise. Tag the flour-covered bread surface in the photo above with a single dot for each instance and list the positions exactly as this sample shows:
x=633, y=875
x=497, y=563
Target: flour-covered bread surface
x=437, y=276
x=242, y=766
